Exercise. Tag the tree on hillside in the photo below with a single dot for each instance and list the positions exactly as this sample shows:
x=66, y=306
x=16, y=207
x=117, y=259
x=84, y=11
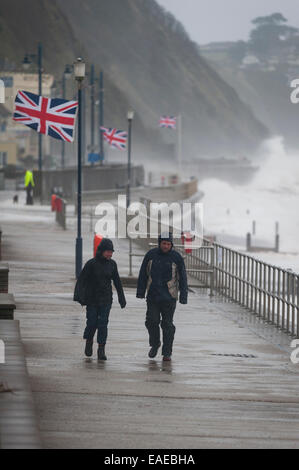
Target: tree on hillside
x=271, y=35
x=238, y=51
x=275, y=18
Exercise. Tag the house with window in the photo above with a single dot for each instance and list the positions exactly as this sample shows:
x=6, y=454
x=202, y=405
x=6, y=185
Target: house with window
x=15, y=135
x=8, y=147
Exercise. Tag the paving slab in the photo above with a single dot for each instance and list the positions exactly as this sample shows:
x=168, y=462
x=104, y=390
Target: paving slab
x=18, y=424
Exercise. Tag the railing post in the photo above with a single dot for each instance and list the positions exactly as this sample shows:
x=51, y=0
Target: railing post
x=283, y=296
x=248, y=277
x=213, y=271
x=288, y=302
x=260, y=289
x=240, y=277
x=268, y=295
x=251, y=284
x=293, y=303
x=278, y=295
x=256, y=286
x=273, y=296
x=244, y=282
x=264, y=293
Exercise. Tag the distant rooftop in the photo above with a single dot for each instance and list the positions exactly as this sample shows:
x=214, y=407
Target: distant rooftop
x=217, y=46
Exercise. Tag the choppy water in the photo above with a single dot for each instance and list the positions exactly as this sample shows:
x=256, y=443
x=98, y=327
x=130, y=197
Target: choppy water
x=273, y=196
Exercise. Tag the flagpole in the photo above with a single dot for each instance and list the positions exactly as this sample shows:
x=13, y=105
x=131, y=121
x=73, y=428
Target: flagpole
x=66, y=74
x=179, y=144
x=92, y=108
x=63, y=142
x=40, y=141
x=79, y=236
x=130, y=119
x=101, y=114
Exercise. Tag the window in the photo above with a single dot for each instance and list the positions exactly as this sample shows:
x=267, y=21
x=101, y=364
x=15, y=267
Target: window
x=3, y=158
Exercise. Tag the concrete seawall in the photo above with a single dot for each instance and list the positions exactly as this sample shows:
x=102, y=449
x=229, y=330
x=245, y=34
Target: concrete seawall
x=169, y=193
x=97, y=177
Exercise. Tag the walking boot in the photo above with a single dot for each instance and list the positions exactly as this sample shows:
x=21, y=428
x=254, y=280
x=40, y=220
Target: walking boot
x=166, y=358
x=153, y=351
x=101, y=353
x=88, y=348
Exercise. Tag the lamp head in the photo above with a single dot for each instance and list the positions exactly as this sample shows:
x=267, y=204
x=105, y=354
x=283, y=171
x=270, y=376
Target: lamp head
x=79, y=69
x=130, y=115
x=26, y=62
x=67, y=71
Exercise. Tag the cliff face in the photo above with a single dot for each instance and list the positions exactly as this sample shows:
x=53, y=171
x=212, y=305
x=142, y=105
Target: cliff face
x=24, y=23
x=150, y=57
x=149, y=63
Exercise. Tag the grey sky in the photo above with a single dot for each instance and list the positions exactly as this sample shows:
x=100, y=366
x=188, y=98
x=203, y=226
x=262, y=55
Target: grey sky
x=226, y=20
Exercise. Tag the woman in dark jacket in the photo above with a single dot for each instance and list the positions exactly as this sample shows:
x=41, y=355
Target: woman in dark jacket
x=94, y=289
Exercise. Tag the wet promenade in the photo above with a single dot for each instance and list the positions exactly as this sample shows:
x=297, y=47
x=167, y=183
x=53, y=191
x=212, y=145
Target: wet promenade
x=231, y=383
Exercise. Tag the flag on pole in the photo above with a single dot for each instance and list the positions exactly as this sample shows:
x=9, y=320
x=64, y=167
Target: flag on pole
x=116, y=138
x=50, y=116
x=168, y=122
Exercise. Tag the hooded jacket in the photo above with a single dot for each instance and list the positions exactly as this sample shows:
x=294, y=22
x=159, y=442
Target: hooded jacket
x=94, y=285
x=163, y=275
x=28, y=179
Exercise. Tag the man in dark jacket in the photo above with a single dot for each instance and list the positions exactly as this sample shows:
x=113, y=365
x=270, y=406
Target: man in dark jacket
x=94, y=289
x=162, y=275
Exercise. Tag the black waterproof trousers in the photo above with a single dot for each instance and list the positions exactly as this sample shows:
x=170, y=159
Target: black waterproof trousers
x=157, y=311
x=29, y=196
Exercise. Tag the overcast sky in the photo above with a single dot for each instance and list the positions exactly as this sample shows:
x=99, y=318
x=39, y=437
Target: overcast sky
x=226, y=20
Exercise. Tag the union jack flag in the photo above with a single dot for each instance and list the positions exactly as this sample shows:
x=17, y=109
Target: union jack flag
x=51, y=116
x=115, y=137
x=168, y=121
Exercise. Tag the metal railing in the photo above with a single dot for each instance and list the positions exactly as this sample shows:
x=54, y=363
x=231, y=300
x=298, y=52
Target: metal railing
x=200, y=264
x=272, y=293
x=269, y=291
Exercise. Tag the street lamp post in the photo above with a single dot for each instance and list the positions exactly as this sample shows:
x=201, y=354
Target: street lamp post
x=40, y=141
x=101, y=114
x=26, y=64
x=79, y=72
x=100, y=103
x=92, y=102
x=130, y=119
x=66, y=74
